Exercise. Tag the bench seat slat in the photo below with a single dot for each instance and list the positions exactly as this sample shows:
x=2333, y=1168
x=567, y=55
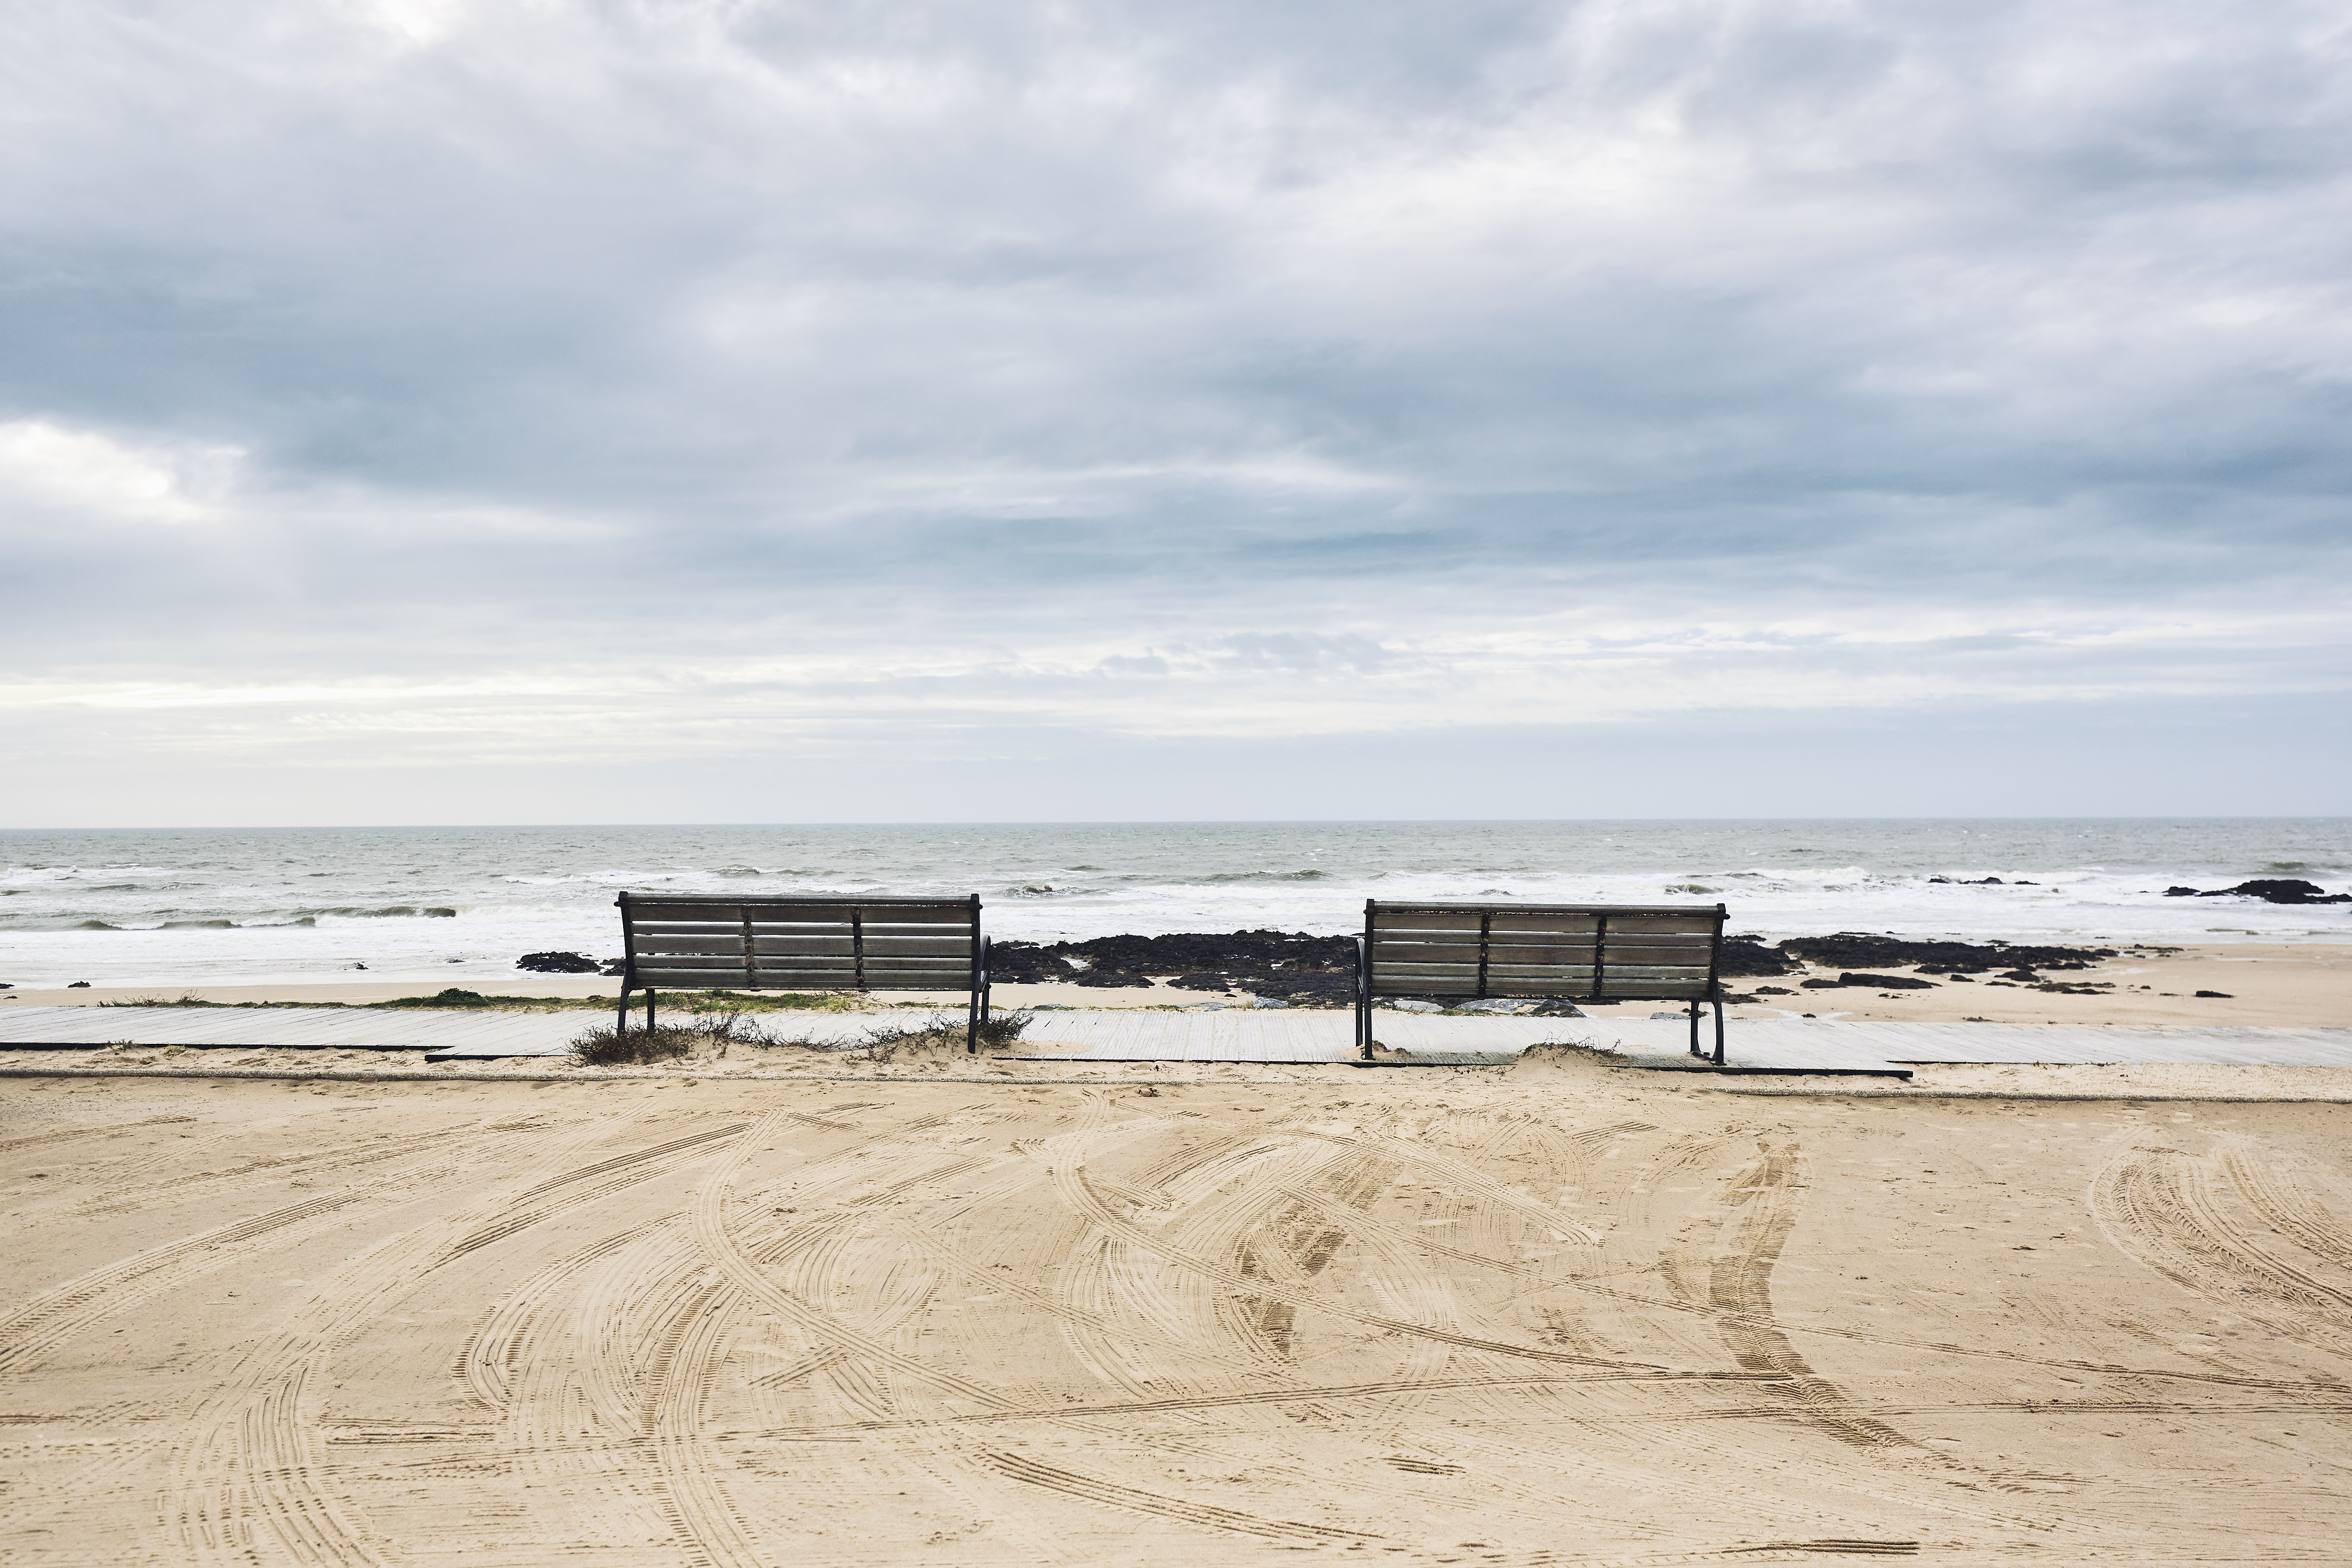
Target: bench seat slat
x=1380, y=972
x=1664, y=990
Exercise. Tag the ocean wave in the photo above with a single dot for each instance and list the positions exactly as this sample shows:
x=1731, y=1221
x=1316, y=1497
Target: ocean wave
x=1221, y=878
x=1141, y=880
x=197, y=925
x=386, y=911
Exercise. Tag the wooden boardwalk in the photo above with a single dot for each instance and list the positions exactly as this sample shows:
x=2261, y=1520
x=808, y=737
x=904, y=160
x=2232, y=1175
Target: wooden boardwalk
x=1232, y=1035
x=454, y=1035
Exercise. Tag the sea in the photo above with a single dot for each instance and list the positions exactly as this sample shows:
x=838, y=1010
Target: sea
x=250, y=906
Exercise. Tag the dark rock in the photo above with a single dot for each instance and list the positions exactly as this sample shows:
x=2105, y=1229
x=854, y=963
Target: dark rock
x=2217, y=995
x=1101, y=977
x=1820, y=984
x=2289, y=891
x=79, y=985
x=2270, y=890
x=1746, y=957
x=1774, y=991
x=1860, y=949
x=1883, y=981
x=1554, y=1009
x=1981, y=882
x=557, y=963
x=1185, y=953
x=615, y=967
x=2023, y=976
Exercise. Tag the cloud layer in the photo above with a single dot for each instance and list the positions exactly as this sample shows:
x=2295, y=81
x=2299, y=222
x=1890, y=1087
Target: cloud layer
x=450, y=386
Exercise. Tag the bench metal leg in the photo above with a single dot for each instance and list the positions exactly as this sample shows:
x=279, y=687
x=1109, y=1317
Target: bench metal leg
x=1718, y=1028
x=1694, y=1022
x=1364, y=997
x=972, y=1024
x=621, y=1014
x=649, y=1009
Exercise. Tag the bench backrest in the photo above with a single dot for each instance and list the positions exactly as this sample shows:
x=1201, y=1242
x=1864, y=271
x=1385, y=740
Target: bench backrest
x=1585, y=951
x=802, y=944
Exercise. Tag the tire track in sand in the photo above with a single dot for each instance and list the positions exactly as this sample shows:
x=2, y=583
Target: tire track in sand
x=862, y=1344
x=254, y=1474
x=40, y=1140
x=66, y=1309
x=2274, y=1193
x=1751, y=1225
x=2162, y=1206
x=1132, y=1499
x=818, y=1250
x=1068, y=1166
x=254, y=1172
x=77, y=1304
x=613, y=1380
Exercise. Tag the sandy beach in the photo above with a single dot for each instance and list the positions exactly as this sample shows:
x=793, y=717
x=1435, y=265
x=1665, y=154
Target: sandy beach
x=1553, y=1314
x=2272, y=984
x=903, y=1306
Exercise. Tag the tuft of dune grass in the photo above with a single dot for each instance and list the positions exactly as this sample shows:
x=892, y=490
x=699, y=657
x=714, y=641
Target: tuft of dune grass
x=604, y=1046
x=711, y=1035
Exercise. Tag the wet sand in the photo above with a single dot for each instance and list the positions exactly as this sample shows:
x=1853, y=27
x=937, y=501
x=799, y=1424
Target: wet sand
x=1556, y=1314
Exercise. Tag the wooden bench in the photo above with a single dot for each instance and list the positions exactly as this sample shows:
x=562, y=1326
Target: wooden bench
x=1570, y=953
x=804, y=944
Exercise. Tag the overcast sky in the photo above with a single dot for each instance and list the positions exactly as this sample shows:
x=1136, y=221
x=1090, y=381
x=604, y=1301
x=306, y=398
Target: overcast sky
x=425, y=411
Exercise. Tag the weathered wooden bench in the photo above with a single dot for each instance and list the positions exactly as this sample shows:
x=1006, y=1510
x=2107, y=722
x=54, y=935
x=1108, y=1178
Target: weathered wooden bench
x=1570, y=953
x=804, y=944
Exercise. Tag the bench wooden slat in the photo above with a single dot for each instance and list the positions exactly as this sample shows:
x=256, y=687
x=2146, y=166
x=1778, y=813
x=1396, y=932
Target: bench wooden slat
x=682, y=946
x=648, y=912
x=1385, y=911
x=1578, y=990
x=1386, y=953
x=715, y=939
x=937, y=930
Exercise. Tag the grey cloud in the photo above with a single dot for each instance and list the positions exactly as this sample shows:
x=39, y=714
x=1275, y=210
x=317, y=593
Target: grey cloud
x=1265, y=343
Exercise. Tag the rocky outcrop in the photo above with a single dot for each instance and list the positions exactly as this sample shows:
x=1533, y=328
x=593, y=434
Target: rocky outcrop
x=1877, y=982
x=2270, y=890
x=557, y=964
x=1860, y=949
x=1746, y=957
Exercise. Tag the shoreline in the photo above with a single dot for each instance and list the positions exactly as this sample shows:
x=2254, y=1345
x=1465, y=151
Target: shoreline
x=2277, y=985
